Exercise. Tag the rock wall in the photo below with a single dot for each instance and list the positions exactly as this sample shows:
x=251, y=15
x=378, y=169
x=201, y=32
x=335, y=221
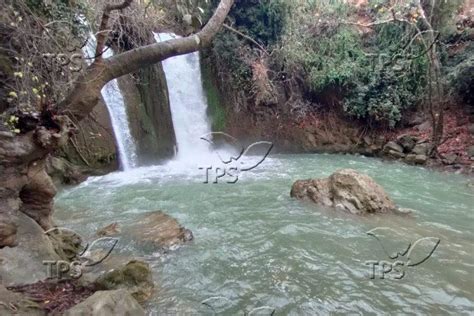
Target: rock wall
x=146, y=96
x=94, y=144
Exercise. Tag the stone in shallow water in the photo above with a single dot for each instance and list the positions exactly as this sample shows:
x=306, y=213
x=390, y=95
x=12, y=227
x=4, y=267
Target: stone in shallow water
x=109, y=230
x=421, y=159
x=159, y=230
x=347, y=190
x=416, y=159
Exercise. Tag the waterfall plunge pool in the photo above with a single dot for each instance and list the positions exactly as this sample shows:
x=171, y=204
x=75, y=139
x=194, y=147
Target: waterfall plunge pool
x=257, y=250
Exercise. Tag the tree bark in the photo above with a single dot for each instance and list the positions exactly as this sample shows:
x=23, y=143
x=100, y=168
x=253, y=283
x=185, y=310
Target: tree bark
x=436, y=89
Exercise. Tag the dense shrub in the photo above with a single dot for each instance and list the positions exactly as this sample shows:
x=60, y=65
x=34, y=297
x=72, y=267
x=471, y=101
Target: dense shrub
x=261, y=20
x=375, y=72
x=462, y=81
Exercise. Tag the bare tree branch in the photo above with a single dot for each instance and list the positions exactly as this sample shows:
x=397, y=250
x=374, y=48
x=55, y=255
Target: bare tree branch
x=230, y=28
x=103, y=32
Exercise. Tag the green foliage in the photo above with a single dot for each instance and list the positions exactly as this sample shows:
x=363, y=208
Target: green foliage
x=333, y=61
x=384, y=95
x=261, y=20
x=391, y=82
x=316, y=47
x=227, y=49
x=461, y=79
x=443, y=13
x=215, y=110
x=379, y=74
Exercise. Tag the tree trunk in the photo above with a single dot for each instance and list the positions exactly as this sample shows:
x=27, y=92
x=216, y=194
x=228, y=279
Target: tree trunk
x=436, y=89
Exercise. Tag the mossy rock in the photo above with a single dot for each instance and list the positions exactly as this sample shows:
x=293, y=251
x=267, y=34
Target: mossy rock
x=67, y=244
x=135, y=277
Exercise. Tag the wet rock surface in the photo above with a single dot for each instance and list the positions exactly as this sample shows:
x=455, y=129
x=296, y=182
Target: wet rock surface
x=347, y=190
x=67, y=244
x=135, y=277
x=109, y=230
x=158, y=230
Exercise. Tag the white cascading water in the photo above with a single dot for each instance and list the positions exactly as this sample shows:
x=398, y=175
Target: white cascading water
x=118, y=115
x=188, y=104
x=193, y=155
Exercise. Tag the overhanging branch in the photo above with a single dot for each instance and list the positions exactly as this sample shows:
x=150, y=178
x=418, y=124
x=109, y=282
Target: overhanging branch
x=86, y=91
x=230, y=28
x=103, y=32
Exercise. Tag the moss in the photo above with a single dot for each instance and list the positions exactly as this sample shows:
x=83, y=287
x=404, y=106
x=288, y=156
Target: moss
x=157, y=139
x=215, y=109
x=67, y=244
x=135, y=276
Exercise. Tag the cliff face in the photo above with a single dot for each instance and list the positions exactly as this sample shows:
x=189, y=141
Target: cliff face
x=94, y=144
x=148, y=108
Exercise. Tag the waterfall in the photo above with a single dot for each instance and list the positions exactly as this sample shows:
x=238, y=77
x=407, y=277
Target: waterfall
x=188, y=104
x=113, y=99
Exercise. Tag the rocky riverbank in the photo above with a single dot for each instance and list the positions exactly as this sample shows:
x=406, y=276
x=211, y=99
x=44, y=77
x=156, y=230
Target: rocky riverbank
x=80, y=276
x=331, y=132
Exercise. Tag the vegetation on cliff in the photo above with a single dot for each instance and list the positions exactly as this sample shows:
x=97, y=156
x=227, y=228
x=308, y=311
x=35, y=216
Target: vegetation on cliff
x=376, y=62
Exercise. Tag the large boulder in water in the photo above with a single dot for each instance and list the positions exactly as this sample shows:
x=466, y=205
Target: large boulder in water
x=345, y=189
x=158, y=230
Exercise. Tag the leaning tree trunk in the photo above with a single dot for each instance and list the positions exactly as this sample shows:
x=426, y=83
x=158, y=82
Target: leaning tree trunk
x=24, y=184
